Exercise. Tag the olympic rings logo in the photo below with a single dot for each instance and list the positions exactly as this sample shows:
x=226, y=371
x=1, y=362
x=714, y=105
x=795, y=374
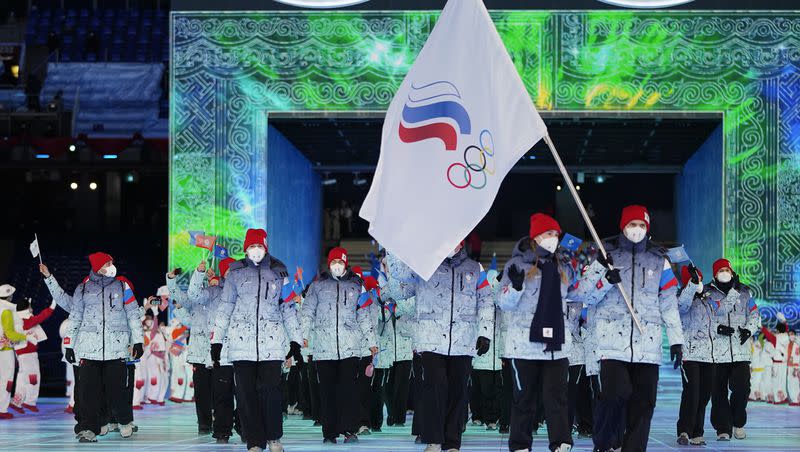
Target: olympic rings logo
x=478, y=165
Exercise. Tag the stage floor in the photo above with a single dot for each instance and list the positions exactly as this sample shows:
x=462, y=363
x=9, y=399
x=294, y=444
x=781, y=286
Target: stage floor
x=172, y=427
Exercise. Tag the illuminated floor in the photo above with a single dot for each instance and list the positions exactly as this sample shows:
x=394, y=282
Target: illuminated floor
x=172, y=427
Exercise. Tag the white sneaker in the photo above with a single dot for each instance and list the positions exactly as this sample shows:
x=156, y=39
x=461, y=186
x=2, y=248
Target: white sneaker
x=683, y=439
x=363, y=430
x=275, y=446
x=104, y=430
x=433, y=448
x=87, y=436
x=723, y=437
x=255, y=449
x=697, y=441
x=113, y=428
x=738, y=433
x=564, y=447
x=522, y=450
x=452, y=450
x=126, y=431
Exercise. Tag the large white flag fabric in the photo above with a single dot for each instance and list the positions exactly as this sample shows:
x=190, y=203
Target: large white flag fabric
x=458, y=123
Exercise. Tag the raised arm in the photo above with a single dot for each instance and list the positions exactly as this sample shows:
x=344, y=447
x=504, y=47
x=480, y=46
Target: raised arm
x=289, y=315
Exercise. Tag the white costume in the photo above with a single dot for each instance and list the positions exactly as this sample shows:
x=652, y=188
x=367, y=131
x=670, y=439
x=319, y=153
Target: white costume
x=70, y=378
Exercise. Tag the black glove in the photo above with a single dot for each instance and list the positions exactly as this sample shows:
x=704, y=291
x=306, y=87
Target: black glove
x=694, y=274
x=744, y=335
x=482, y=345
x=725, y=330
x=517, y=276
x=735, y=279
x=613, y=276
x=69, y=355
x=676, y=355
x=216, y=354
x=294, y=352
x=604, y=260
x=138, y=351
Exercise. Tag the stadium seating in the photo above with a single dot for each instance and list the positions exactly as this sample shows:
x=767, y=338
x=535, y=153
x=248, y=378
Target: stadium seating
x=123, y=35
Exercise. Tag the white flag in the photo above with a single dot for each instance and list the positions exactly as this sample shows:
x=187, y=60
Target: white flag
x=458, y=123
x=35, y=247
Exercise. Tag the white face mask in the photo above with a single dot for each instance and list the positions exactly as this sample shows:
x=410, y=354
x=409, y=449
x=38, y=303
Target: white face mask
x=337, y=270
x=256, y=254
x=724, y=277
x=550, y=244
x=635, y=234
x=111, y=271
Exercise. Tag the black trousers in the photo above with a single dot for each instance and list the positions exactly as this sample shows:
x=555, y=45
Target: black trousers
x=203, y=395
x=303, y=401
x=506, y=393
x=444, y=398
x=313, y=389
x=79, y=426
x=625, y=405
x=697, y=382
x=397, y=389
x=378, y=385
x=729, y=410
x=112, y=378
x=532, y=379
x=259, y=400
x=108, y=415
x=340, y=404
x=486, y=388
x=581, y=401
x=417, y=395
x=223, y=393
x=364, y=384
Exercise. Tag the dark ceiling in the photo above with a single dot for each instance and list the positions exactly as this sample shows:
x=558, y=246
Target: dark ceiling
x=600, y=144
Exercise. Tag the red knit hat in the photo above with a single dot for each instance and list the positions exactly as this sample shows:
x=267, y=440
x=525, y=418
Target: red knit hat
x=720, y=264
x=98, y=259
x=541, y=223
x=632, y=213
x=224, y=264
x=370, y=283
x=685, y=276
x=337, y=253
x=357, y=270
x=255, y=237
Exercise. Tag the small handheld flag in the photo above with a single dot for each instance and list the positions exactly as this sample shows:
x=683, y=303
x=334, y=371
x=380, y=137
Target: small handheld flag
x=289, y=292
x=365, y=300
x=220, y=252
x=677, y=255
x=205, y=241
x=193, y=237
x=35, y=248
x=570, y=242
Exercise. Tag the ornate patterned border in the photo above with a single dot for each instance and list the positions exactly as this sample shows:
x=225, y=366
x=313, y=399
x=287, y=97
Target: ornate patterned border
x=230, y=68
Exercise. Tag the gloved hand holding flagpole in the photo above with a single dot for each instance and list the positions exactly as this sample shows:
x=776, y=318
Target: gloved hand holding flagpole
x=589, y=223
x=458, y=123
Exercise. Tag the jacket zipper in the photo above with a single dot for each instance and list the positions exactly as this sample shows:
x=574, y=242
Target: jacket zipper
x=258, y=308
x=494, y=336
x=633, y=291
x=710, y=337
x=338, y=354
x=452, y=304
x=730, y=338
x=103, y=302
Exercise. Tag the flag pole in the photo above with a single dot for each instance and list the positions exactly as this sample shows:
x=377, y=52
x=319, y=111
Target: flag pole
x=589, y=223
x=36, y=237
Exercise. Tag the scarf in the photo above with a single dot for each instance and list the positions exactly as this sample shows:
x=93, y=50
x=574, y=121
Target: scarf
x=548, y=321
